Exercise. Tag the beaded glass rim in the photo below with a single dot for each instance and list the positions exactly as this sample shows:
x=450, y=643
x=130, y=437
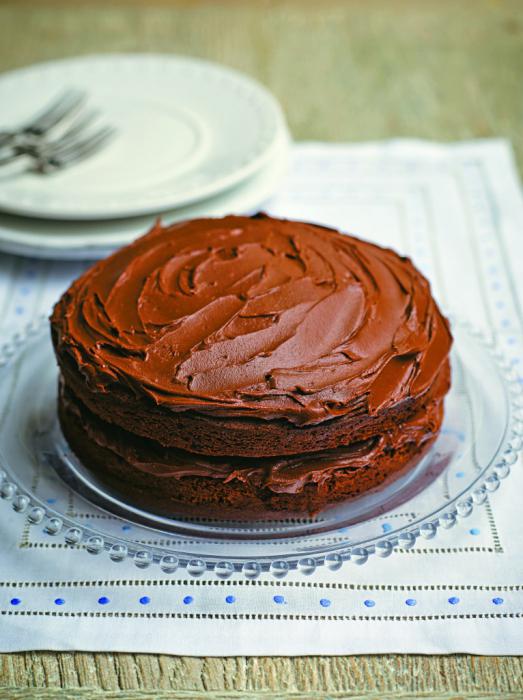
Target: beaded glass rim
x=94, y=541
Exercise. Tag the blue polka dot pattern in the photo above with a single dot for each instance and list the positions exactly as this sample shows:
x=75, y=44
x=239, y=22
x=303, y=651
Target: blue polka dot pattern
x=126, y=528
x=460, y=475
x=386, y=527
x=474, y=531
x=278, y=599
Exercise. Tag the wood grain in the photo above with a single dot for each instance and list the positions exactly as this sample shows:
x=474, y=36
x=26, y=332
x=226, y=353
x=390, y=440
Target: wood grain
x=378, y=676
x=344, y=70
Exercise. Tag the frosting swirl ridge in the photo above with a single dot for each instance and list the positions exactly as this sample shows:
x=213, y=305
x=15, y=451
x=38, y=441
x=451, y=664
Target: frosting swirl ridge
x=255, y=317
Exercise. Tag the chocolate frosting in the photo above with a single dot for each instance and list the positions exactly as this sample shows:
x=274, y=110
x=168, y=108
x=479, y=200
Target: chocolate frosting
x=255, y=317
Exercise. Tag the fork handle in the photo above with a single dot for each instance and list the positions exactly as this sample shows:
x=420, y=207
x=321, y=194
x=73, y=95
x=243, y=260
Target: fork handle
x=14, y=139
x=14, y=155
x=6, y=138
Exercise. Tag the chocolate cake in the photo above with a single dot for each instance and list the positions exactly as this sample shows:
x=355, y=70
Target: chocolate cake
x=250, y=366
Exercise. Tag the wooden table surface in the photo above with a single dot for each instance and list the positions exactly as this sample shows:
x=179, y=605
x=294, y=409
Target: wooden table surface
x=344, y=70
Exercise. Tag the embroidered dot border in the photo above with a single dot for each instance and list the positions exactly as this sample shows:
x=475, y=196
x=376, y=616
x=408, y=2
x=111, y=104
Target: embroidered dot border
x=277, y=599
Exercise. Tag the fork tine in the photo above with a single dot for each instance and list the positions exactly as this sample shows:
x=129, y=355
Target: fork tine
x=64, y=105
x=76, y=151
x=80, y=123
x=49, y=109
x=71, y=147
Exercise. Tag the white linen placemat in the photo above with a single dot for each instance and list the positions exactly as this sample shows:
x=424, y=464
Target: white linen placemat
x=457, y=211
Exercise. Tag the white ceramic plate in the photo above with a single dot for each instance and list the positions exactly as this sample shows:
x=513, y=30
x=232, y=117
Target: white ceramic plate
x=186, y=130
x=84, y=240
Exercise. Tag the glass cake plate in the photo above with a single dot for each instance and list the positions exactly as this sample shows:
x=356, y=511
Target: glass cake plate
x=45, y=483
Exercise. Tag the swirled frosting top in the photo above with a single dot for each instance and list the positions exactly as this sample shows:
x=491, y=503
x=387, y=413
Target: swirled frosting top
x=255, y=317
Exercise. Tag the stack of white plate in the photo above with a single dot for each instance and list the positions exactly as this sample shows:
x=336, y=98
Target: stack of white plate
x=193, y=139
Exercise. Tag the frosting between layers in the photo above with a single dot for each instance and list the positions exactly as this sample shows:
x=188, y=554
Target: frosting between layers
x=256, y=317
x=289, y=474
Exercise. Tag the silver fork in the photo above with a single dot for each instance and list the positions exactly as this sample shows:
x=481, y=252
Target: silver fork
x=63, y=106
x=73, y=146
x=69, y=151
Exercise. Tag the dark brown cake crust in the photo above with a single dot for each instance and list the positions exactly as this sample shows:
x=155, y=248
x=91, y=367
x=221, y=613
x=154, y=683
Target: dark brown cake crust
x=113, y=454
